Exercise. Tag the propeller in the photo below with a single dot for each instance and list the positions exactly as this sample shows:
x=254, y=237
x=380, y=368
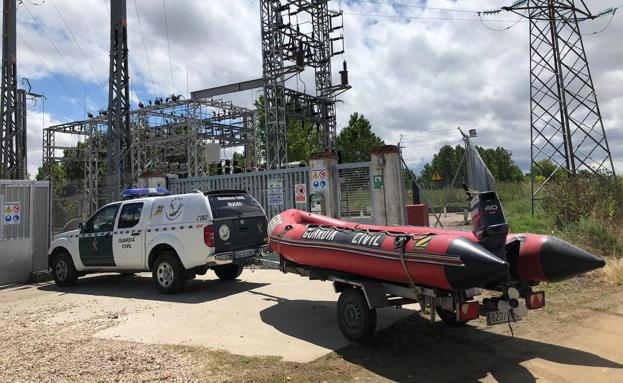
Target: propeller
x=520, y=309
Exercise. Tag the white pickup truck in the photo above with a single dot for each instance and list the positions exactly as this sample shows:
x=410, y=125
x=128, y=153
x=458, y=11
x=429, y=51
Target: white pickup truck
x=175, y=237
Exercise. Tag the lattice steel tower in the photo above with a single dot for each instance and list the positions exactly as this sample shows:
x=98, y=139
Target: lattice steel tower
x=566, y=124
x=12, y=105
x=287, y=48
x=119, y=137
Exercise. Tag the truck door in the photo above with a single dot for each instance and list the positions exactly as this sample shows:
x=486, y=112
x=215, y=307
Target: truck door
x=95, y=242
x=128, y=236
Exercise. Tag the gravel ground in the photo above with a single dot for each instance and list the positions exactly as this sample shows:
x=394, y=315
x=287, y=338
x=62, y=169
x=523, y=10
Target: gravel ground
x=47, y=336
x=37, y=349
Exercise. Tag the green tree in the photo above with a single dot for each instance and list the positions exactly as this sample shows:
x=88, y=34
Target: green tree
x=501, y=164
x=543, y=169
x=445, y=163
x=357, y=139
x=303, y=137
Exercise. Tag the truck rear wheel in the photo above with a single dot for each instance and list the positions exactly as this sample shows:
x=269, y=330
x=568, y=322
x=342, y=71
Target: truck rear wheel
x=63, y=270
x=228, y=272
x=168, y=274
x=355, y=319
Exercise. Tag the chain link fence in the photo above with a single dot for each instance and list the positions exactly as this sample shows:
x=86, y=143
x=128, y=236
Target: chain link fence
x=355, y=192
x=436, y=170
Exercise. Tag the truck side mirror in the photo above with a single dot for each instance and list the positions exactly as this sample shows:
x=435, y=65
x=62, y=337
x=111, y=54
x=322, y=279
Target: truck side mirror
x=81, y=225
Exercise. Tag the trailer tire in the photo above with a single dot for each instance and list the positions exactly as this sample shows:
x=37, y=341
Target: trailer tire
x=449, y=317
x=228, y=272
x=355, y=319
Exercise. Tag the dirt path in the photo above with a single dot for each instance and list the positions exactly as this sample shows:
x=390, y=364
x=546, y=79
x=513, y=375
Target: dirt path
x=577, y=338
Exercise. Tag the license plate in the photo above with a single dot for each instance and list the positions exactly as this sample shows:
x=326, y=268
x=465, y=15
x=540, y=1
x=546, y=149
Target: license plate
x=499, y=317
x=244, y=254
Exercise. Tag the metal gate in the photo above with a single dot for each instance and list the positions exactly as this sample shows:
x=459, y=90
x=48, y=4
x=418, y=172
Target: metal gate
x=355, y=192
x=273, y=189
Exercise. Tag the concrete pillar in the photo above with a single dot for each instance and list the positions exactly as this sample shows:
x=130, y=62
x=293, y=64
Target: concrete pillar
x=323, y=184
x=387, y=186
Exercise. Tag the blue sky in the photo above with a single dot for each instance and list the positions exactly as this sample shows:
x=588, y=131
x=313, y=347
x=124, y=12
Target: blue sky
x=419, y=77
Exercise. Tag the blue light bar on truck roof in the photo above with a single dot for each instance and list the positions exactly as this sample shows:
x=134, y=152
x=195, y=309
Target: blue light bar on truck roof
x=144, y=192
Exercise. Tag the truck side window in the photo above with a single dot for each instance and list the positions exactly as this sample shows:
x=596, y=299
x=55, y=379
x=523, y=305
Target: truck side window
x=103, y=220
x=130, y=215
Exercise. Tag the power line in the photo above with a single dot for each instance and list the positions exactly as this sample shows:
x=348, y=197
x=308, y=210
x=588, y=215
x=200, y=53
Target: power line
x=48, y=68
x=521, y=17
x=38, y=27
x=151, y=76
x=423, y=17
x=75, y=40
x=166, y=26
x=407, y=5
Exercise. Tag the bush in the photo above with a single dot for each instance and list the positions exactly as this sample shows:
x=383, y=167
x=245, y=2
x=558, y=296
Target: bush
x=598, y=198
x=593, y=236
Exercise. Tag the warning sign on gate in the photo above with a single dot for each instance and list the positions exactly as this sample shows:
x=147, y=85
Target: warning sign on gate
x=300, y=193
x=12, y=213
x=275, y=192
x=436, y=176
x=320, y=179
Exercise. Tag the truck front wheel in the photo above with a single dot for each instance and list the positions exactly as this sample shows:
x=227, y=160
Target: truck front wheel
x=63, y=270
x=228, y=272
x=168, y=274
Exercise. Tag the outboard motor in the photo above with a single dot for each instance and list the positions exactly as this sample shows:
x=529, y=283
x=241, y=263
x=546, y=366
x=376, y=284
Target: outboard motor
x=488, y=223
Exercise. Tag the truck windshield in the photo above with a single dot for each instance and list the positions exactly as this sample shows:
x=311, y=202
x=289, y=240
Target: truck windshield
x=234, y=205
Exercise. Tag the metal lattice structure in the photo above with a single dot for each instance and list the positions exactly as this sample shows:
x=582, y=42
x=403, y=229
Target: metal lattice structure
x=167, y=137
x=12, y=102
x=566, y=125
x=288, y=46
x=119, y=159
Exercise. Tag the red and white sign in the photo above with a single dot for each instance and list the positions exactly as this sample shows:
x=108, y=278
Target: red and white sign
x=300, y=193
x=320, y=179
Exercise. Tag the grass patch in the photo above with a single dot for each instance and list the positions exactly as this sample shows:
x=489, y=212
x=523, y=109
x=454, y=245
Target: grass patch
x=613, y=272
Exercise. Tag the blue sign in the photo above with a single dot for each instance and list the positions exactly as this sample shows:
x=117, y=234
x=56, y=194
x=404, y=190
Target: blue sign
x=7, y=218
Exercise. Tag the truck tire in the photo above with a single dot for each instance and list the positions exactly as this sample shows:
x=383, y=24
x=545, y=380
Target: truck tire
x=449, y=317
x=63, y=270
x=355, y=319
x=228, y=272
x=168, y=274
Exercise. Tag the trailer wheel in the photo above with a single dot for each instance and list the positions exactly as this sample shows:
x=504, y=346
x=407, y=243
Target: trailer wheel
x=449, y=317
x=355, y=319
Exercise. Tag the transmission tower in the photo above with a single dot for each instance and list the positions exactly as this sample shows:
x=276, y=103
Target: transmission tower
x=119, y=137
x=288, y=46
x=566, y=125
x=12, y=108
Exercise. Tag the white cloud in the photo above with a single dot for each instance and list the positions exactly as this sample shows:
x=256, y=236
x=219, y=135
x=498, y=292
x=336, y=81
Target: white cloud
x=412, y=77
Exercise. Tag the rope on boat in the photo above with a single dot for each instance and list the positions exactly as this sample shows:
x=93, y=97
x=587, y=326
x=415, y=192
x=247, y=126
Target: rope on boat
x=401, y=242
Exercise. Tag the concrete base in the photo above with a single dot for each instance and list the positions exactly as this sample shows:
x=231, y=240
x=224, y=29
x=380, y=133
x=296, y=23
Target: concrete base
x=264, y=313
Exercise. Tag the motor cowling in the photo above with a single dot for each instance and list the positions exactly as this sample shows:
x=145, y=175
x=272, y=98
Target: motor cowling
x=488, y=222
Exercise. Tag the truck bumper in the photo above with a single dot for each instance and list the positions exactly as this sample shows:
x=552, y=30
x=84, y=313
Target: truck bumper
x=241, y=257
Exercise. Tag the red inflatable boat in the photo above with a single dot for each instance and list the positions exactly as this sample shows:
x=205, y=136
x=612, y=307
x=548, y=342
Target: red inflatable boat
x=450, y=260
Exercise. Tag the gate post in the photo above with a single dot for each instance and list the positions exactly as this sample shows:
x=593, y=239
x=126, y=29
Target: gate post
x=323, y=184
x=387, y=188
